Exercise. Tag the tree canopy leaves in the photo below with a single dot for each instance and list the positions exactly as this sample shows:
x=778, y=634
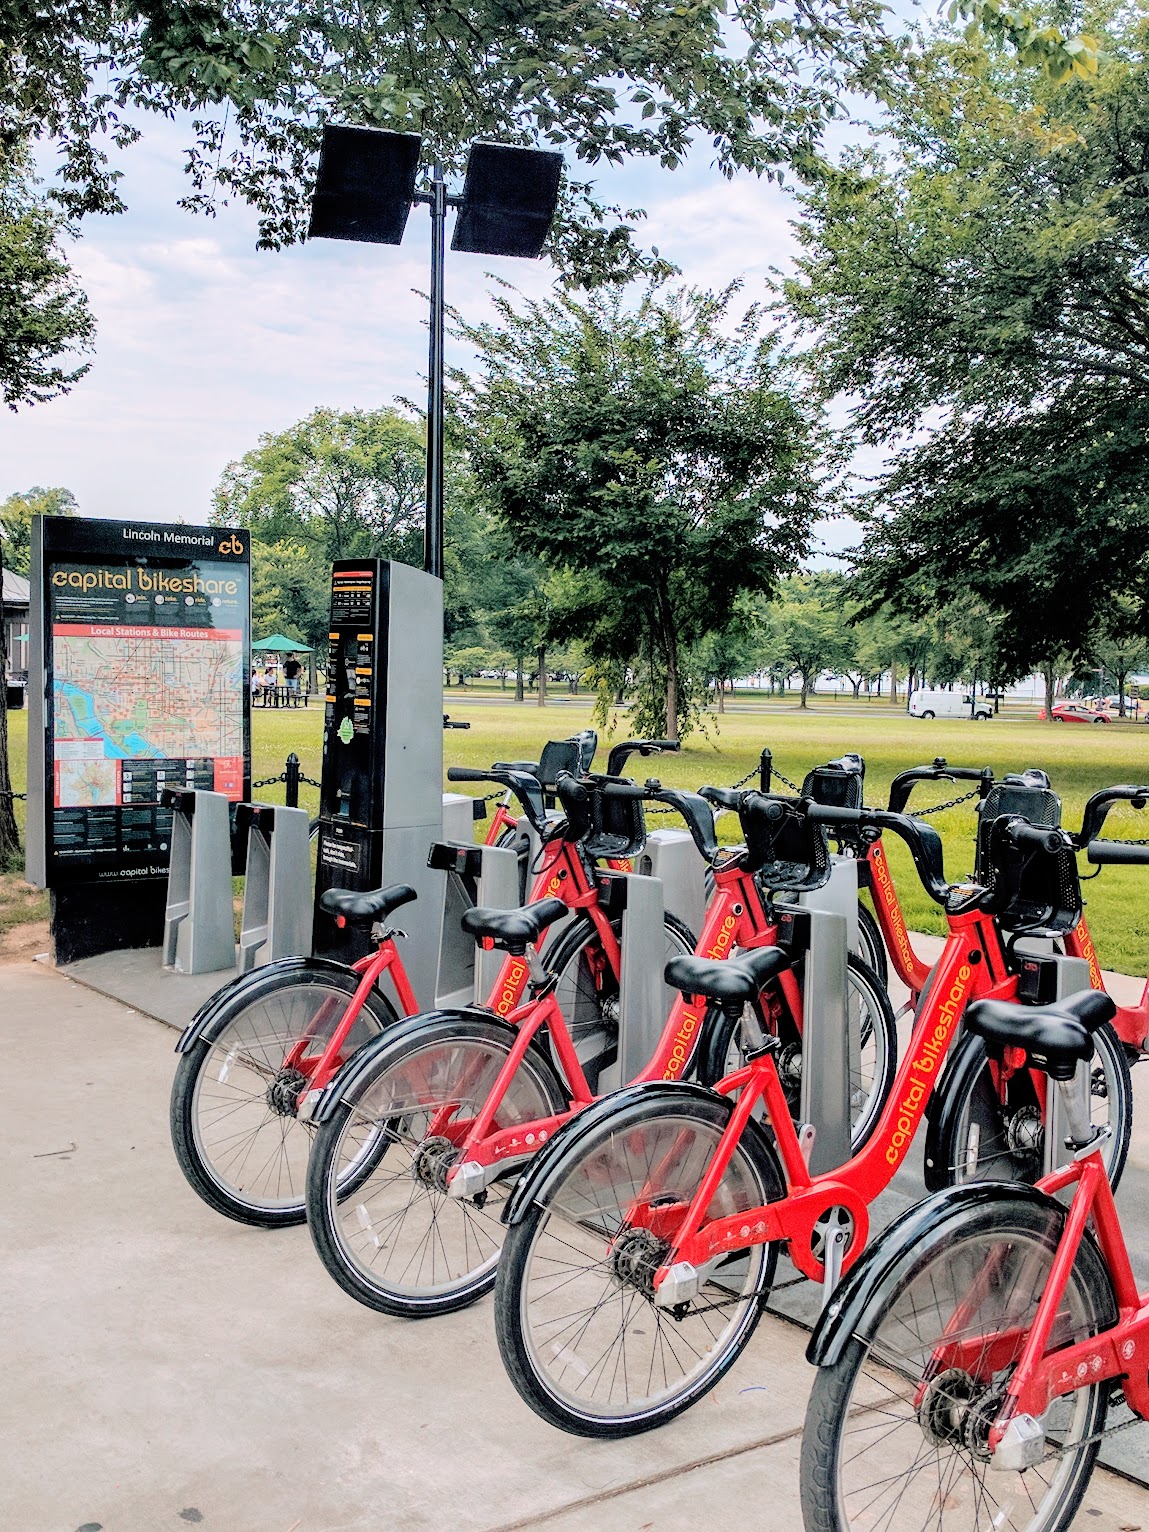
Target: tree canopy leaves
x=648, y=451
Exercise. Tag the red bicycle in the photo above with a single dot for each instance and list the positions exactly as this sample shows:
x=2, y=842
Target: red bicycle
x=260, y=1052
x=642, y=1241
x=967, y=1363
x=422, y=1131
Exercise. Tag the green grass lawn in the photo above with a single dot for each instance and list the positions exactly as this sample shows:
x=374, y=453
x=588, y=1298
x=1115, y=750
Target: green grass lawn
x=1079, y=759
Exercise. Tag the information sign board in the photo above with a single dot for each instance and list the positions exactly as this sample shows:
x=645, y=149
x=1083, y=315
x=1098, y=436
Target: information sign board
x=142, y=639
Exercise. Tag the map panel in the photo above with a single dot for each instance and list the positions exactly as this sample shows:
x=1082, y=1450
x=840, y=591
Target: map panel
x=146, y=693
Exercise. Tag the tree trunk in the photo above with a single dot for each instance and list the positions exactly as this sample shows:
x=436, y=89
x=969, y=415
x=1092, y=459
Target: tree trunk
x=893, y=685
x=542, y=659
x=9, y=835
x=1121, y=675
x=805, y=689
x=857, y=685
x=721, y=695
x=519, y=679
x=1050, y=678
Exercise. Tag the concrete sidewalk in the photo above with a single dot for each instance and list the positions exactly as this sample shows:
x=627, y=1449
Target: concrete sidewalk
x=164, y=1367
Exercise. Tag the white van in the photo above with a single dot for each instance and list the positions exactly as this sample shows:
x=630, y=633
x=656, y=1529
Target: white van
x=955, y=704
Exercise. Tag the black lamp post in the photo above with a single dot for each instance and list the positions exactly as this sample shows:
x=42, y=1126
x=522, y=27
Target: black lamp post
x=365, y=190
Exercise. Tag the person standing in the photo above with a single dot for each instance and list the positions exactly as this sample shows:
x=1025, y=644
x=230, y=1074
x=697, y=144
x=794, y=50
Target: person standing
x=291, y=672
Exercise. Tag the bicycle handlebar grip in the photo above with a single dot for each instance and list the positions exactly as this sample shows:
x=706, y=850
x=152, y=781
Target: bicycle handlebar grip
x=722, y=797
x=670, y=745
x=466, y=774
x=623, y=790
x=829, y=814
x=1115, y=853
x=1037, y=840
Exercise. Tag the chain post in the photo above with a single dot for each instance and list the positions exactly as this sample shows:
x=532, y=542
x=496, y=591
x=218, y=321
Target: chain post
x=291, y=781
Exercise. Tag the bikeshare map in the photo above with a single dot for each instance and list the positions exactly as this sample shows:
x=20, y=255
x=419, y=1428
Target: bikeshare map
x=136, y=710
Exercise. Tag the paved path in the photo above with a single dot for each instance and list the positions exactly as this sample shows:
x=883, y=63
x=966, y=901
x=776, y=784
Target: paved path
x=165, y=1368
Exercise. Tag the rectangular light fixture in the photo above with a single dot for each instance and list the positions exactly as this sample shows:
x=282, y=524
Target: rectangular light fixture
x=509, y=199
x=365, y=185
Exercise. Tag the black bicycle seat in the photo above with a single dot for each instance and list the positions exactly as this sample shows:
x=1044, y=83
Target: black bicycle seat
x=727, y=979
x=361, y=909
x=513, y=929
x=1055, y=1037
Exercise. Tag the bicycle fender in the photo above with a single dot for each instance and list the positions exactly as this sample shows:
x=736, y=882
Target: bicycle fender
x=965, y=1062
x=861, y=1297
x=198, y=1026
x=538, y=1180
x=362, y=1061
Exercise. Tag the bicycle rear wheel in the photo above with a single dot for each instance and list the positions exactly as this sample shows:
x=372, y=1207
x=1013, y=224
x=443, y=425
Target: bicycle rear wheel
x=234, y=1126
x=578, y=1329
x=895, y=1438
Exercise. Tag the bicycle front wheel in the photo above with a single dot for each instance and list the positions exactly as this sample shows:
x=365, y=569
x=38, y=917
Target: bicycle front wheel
x=895, y=1437
x=377, y=1204
x=234, y=1126
x=578, y=1329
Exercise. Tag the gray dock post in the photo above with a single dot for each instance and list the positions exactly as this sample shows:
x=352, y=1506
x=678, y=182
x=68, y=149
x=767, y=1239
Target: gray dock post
x=199, y=927
x=826, y=1041
x=276, y=919
x=643, y=1006
x=1072, y=977
x=673, y=858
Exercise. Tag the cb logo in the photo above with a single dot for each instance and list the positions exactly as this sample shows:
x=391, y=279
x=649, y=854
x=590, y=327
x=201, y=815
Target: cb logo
x=231, y=544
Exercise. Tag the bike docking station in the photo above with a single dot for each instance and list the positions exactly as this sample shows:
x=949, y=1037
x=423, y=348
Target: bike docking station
x=199, y=929
x=381, y=800
x=276, y=919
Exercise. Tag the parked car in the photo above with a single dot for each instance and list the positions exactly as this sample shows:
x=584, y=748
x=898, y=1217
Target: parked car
x=926, y=703
x=1078, y=712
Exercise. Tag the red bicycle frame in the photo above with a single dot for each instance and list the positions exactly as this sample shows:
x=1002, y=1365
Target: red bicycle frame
x=971, y=967
x=562, y=875
x=910, y=968
x=1039, y=1375
x=735, y=917
x=1131, y=1022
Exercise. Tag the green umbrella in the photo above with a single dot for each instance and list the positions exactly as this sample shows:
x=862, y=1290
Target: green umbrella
x=282, y=645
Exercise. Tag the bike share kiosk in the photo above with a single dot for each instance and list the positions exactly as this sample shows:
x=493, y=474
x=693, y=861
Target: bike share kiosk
x=380, y=801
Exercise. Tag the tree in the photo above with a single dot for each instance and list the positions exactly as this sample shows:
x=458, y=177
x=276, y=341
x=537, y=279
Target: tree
x=290, y=593
x=44, y=317
x=654, y=458
x=347, y=484
x=602, y=81
x=808, y=628
x=16, y=520
x=1119, y=647
x=980, y=290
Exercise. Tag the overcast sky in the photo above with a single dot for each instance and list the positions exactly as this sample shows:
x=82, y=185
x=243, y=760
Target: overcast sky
x=204, y=342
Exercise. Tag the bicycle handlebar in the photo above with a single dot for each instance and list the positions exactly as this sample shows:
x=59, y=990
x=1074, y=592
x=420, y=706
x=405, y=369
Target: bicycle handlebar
x=923, y=841
x=1023, y=834
x=622, y=753
x=526, y=788
x=1116, y=853
x=1098, y=807
x=938, y=771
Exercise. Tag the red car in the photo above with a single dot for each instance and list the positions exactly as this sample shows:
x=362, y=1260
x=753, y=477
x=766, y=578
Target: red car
x=1077, y=712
